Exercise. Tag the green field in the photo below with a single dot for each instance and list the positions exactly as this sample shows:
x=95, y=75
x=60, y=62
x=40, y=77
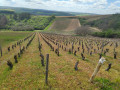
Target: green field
x=10, y=36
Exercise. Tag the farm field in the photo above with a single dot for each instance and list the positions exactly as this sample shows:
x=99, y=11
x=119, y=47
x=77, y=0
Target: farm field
x=67, y=25
x=64, y=25
x=64, y=51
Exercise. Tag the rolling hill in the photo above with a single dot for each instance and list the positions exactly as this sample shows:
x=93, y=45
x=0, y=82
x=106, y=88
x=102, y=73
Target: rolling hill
x=68, y=25
x=105, y=23
x=43, y=12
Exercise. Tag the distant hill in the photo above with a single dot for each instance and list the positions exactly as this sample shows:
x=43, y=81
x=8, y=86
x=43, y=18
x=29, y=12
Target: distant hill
x=7, y=11
x=81, y=14
x=43, y=12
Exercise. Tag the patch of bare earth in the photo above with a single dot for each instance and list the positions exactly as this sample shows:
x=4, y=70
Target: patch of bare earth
x=94, y=29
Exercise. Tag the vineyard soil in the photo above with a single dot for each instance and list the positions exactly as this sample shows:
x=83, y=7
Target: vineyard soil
x=29, y=74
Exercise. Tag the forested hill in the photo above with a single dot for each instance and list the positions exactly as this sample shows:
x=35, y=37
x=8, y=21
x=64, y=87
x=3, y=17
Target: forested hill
x=42, y=12
x=37, y=11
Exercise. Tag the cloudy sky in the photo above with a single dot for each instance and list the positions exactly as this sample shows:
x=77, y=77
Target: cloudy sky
x=86, y=6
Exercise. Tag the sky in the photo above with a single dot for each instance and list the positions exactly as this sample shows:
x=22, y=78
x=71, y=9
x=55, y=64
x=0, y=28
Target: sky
x=84, y=6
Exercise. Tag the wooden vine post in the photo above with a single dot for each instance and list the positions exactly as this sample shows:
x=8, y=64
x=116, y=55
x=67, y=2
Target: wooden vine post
x=58, y=46
x=20, y=47
x=58, y=50
x=76, y=65
x=72, y=47
x=101, y=61
x=1, y=50
x=47, y=62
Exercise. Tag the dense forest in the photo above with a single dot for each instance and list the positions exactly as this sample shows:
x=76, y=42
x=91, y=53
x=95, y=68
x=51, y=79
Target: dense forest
x=23, y=21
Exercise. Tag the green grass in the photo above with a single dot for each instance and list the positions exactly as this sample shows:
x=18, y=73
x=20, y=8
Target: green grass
x=8, y=37
x=105, y=84
x=49, y=25
x=5, y=73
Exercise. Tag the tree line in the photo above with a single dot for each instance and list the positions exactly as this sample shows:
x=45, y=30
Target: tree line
x=24, y=22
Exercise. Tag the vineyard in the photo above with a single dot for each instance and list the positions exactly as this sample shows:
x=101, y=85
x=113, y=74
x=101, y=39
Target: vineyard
x=53, y=61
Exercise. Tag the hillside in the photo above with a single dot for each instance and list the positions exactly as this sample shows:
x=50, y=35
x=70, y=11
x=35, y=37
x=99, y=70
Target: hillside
x=105, y=23
x=65, y=24
x=43, y=12
x=69, y=24
x=29, y=72
x=93, y=17
x=6, y=11
x=108, y=24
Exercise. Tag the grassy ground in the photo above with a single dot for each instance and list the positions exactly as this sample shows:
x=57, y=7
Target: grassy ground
x=63, y=68
x=49, y=25
x=7, y=37
x=29, y=74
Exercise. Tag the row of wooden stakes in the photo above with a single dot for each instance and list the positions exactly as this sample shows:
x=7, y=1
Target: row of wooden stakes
x=14, y=45
x=16, y=56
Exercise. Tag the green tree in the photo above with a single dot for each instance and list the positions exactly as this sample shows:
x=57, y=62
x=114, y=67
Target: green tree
x=3, y=21
x=24, y=15
x=15, y=16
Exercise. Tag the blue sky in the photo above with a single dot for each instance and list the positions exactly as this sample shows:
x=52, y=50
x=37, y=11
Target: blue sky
x=85, y=6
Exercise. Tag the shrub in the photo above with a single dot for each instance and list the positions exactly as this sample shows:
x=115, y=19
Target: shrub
x=82, y=20
x=110, y=22
x=107, y=34
x=22, y=28
x=83, y=30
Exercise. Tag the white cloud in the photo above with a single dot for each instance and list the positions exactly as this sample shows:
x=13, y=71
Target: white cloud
x=84, y=1
x=13, y=0
x=117, y=2
x=88, y=6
